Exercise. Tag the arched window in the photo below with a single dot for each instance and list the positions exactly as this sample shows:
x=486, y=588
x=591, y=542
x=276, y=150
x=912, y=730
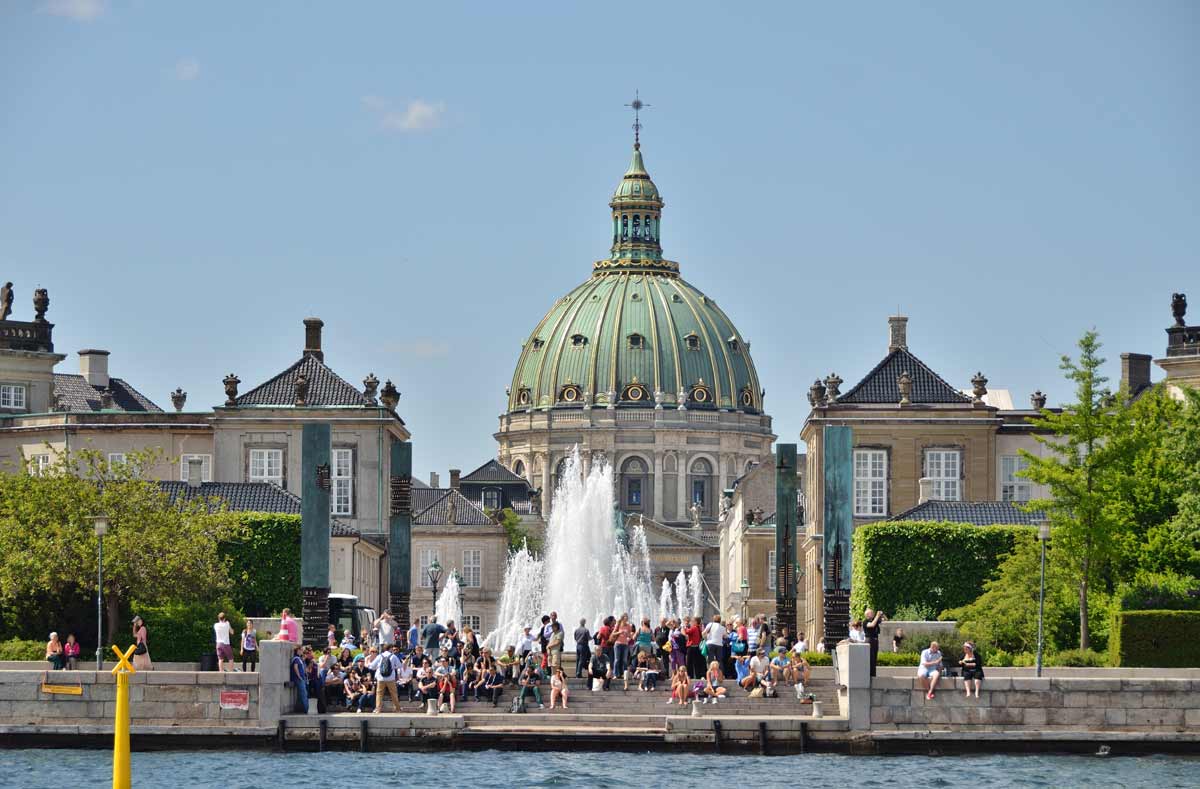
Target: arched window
x=560, y=470
x=635, y=485
x=637, y=226
x=700, y=482
x=519, y=469
x=624, y=226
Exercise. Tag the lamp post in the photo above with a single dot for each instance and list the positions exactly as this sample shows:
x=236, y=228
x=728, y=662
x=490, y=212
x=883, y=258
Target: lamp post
x=100, y=524
x=745, y=599
x=1043, y=537
x=435, y=575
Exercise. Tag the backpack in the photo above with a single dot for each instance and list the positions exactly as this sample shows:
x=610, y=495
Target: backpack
x=385, y=666
x=518, y=704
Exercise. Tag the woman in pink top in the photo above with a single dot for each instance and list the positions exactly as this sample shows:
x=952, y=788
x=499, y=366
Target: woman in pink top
x=288, y=628
x=141, y=655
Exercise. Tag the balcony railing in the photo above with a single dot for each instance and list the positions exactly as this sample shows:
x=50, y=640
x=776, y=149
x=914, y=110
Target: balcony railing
x=26, y=336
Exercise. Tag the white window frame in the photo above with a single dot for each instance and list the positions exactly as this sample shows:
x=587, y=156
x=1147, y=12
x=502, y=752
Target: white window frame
x=425, y=558
x=266, y=455
x=1012, y=487
x=870, y=483
x=944, y=467
x=341, y=489
x=472, y=568
x=473, y=621
x=116, y=459
x=39, y=463
x=13, y=396
x=205, y=467
x=488, y=493
x=771, y=579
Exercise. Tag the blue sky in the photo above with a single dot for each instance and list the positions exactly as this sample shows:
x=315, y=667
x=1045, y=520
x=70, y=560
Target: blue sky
x=190, y=181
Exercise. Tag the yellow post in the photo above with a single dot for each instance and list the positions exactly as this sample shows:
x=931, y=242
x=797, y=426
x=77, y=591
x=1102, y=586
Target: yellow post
x=121, y=773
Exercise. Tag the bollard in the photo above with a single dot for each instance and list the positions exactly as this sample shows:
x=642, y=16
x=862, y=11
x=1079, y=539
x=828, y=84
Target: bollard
x=695, y=710
x=431, y=706
x=816, y=705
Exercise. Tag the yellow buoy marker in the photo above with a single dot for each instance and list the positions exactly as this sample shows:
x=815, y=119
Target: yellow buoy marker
x=121, y=774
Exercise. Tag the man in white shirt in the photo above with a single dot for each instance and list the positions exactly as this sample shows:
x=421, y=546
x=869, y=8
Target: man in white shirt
x=760, y=665
x=714, y=634
x=801, y=645
x=387, y=630
x=525, y=643
x=222, y=629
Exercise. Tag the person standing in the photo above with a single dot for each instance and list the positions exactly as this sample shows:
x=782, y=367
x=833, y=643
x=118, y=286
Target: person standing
x=871, y=623
x=141, y=652
x=554, y=648
x=431, y=634
x=414, y=636
x=694, y=661
x=289, y=629
x=583, y=649
x=714, y=634
x=222, y=630
x=298, y=674
x=386, y=666
x=387, y=630
x=249, y=647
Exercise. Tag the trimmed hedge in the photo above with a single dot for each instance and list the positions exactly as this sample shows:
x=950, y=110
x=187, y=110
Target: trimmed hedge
x=181, y=632
x=265, y=564
x=22, y=649
x=932, y=565
x=1167, y=639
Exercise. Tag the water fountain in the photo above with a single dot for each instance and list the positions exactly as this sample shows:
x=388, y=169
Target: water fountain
x=449, y=606
x=589, y=568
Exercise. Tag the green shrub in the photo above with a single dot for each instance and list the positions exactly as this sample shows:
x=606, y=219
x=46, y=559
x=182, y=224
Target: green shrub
x=899, y=659
x=818, y=658
x=1159, y=592
x=931, y=566
x=265, y=563
x=1156, y=638
x=914, y=613
x=1077, y=658
x=1024, y=660
x=996, y=657
x=22, y=649
x=181, y=632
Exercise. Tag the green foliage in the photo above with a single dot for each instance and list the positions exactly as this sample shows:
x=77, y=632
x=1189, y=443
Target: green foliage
x=264, y=557
x=1024, y=660
x=1168, y=639
x=1159, y=591
x=22, y=649
x=996, y=657
x=1076, y=658
x=899, y=659
x=1005, y=616
x=180, y=632
x=818, y=658
x=519, y=536
x=912, y=612
x=926, y=566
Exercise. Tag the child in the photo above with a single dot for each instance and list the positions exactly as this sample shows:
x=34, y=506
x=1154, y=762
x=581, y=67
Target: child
x=331, y=637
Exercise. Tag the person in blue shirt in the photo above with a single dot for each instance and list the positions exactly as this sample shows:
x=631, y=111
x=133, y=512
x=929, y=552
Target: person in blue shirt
x=414, y=636
x=299, y=678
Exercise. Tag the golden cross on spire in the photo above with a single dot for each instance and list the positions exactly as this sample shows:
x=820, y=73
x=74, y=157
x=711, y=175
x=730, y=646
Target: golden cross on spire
x=638, y=105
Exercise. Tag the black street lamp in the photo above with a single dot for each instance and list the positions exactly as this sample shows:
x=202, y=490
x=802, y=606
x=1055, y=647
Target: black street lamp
x=745, y=599
x=1043, y=537
x=435, y=575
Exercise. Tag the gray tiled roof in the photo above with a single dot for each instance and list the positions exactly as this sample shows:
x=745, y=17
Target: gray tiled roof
x=431, y=507
x=980, y=513
x=492, y=471
x=239, y=496
x=879, y=385
x=76, y=394
x=325, y=387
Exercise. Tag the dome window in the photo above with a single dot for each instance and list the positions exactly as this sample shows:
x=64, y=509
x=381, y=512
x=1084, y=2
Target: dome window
x=635, y=392
x=701, y=394
x=538, y=342
x=675, y=297
x=571, y=394
x=746, y=398
x=578, y=340
x=635, y=297
x=637, y=342
x=624, y=226
x=692, y=340
x=734, y=344
x=523, y=396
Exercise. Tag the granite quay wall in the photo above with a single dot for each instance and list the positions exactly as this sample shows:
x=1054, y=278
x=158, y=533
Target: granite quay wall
x=1047, y=704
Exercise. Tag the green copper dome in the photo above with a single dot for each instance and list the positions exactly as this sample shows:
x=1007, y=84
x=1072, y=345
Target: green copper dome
x=635, y=334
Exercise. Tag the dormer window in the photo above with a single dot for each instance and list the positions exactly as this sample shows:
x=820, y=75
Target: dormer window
x=637, y=342
x=571, y=394
x=675, y=297
x=523, y=396
x=538, y=342
x=578, y=340
x=692, y=340
x=734, y=345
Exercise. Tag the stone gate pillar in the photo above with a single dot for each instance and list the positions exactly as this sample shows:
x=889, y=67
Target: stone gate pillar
x=314, y=531
x=400, y=535
x=838, y=451
x=785, y=537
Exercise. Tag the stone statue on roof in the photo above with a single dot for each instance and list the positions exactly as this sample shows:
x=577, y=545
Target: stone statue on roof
x=452, y=510
x=1178, y=307
x=6, y=299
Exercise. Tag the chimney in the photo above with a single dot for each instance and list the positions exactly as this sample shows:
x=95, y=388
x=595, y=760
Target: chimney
x=897, y=333
x=434, y=480
x=93, y=366
x=195, y=472
x=455, y=474
x=926, y=484
x=312, y=338
x=1135, y=372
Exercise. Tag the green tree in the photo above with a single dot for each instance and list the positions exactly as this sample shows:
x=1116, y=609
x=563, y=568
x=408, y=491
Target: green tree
x=1175, y=546
x=155, y=551
x=1084, y=473
x=519, y=535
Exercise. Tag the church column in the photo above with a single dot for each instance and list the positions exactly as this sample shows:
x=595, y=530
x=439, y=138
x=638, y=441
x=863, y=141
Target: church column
x=657, y=469
x=547, y=492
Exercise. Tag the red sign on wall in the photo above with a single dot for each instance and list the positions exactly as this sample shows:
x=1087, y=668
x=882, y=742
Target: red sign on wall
x=235, y=699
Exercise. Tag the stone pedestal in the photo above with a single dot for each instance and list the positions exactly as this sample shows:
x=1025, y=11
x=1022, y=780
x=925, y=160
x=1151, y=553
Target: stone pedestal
x=854, y=674
x=274, y=694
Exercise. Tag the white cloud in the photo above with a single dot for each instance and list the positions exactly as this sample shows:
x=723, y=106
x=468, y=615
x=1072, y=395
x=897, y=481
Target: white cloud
x=186, y=70
x=416, y=116
x=79, y=10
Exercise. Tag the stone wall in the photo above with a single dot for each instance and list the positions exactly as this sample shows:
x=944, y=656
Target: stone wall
x=1048, y=703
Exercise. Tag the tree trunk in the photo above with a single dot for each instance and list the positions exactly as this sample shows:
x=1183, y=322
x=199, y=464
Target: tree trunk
x=1085, y=639
x=112, y=616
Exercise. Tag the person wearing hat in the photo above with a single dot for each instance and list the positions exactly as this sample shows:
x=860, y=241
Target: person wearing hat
x=525, y=642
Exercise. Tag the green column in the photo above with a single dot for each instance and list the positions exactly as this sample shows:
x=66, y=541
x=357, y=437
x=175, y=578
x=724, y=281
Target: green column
x=785, y=537
x=314, y=530
x=400, y=533
x=838, y=460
